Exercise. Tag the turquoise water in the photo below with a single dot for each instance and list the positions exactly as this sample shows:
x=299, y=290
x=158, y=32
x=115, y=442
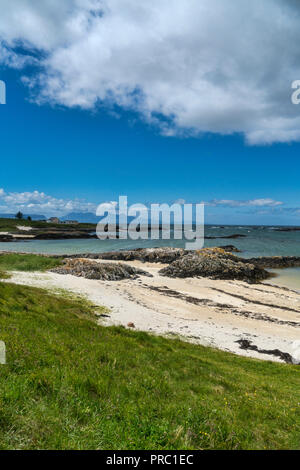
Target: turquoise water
x=259, y=241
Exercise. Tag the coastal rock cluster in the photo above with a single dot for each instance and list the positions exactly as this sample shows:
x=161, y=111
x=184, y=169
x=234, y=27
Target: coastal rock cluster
x=63, y=235
x=102, y=271
x=164, y=255
x=216, y=264
x=273, y=262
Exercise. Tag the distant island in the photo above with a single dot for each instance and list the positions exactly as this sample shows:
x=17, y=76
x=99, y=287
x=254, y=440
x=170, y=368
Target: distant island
x=13, y=229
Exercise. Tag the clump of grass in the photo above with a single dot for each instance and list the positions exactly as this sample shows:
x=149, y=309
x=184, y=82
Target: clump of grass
x=72, y=384
x=18, y=262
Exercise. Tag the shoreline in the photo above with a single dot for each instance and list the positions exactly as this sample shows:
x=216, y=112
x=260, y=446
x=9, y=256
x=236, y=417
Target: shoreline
x=210, y=297
x=223, y=314
x=277, y=266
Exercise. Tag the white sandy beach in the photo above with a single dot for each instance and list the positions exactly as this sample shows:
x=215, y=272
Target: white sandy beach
x=204, y=311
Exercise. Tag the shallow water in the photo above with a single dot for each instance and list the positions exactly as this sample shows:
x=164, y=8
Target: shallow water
x=289, y=277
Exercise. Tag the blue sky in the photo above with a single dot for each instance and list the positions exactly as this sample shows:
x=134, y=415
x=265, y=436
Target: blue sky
x=59, y=156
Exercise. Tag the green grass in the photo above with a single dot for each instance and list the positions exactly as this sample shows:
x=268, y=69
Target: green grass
x=7, y=225
x=71, y=384
x=18, y=262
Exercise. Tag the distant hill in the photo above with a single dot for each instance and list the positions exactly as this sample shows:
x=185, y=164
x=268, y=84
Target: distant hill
x=33, y=216
x=82, y=217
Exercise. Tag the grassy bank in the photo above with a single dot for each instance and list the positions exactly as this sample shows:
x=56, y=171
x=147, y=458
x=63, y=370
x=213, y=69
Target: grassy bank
x=70, y=383
x=17, y=262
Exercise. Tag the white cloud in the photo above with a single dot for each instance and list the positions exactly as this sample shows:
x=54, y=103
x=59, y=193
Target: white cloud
x=40, y=203
x=189, y=66
x=10, y=59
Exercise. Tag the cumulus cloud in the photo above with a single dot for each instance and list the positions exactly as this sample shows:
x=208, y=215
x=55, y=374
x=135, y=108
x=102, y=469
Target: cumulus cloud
x=36, y=202
x=189, y=66
x=10, y=59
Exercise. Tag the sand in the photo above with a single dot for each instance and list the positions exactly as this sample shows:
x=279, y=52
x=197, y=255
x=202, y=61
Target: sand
x=24, y=228
x=213, y=313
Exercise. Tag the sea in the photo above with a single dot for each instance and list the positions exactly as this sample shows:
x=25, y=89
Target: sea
x=257, y=241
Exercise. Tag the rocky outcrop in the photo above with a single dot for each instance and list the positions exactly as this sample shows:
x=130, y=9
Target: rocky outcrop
x=164, y=255
x=287, y=229
x=102, y=271
x=63, y=236
x=235, y=235
x=7, y=238
x=216, y=264
x=273, y=262
x=230, y=249
x=167, y=255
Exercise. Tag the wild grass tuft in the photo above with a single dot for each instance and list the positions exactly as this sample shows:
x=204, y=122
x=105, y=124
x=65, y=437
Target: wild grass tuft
x=18, y=262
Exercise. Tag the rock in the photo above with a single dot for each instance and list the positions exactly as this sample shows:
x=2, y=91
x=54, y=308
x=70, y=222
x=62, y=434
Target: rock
x=102, y=271
x=287, y=229
x=164, y=255
x=63, y=235
x=230, y=249
x=274, y=262
x=235, y=235
x=216, y=264
x=7, y=238
x=284, y=356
